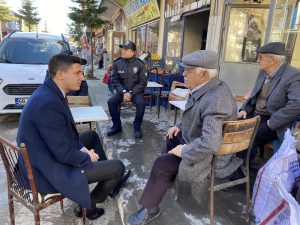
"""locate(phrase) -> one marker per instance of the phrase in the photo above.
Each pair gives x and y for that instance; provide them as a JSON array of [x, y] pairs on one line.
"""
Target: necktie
[[66, 101]]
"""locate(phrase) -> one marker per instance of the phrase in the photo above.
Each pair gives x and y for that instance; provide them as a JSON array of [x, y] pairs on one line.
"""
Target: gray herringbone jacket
[[201, 128]]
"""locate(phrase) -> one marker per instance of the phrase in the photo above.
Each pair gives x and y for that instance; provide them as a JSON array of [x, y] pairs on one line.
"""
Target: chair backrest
[[77, 101], [238, 135], [17, 183], [176, 86]]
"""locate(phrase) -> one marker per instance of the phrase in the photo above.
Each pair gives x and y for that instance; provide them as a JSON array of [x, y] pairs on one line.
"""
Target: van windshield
[[30, 51]]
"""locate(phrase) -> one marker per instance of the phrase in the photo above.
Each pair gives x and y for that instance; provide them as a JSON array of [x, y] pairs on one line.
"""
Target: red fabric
[[106, 78]]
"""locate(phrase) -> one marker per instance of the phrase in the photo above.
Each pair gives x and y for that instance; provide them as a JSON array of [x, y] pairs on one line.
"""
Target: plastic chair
[[17, 186]]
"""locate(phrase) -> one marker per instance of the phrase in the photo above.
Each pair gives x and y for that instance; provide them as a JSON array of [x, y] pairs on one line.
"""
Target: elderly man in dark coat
[[191, 144], [275, 96]]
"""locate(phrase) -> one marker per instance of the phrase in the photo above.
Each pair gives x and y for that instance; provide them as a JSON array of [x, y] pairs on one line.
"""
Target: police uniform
[[128, 75]]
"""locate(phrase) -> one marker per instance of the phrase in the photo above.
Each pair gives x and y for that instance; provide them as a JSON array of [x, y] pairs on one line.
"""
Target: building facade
[[232, 28]]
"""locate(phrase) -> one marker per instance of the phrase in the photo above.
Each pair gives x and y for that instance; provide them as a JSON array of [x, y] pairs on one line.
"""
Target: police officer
[[129, 77]]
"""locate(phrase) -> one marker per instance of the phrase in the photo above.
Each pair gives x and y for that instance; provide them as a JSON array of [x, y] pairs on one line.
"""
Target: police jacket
[[129, 75]]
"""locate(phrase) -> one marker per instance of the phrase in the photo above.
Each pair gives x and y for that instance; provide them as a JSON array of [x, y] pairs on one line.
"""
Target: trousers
[[106, 173], [163, 174], [114, 104]]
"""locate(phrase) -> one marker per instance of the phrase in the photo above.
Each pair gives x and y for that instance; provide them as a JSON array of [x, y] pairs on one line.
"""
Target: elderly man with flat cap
[[191, 144], [275, 96]]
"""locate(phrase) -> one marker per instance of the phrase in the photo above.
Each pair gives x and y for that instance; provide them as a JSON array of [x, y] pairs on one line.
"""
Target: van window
[[30, 51]]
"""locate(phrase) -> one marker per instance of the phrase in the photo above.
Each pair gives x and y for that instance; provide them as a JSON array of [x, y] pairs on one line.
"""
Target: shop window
[[295, 25], [118, 24], [285, 27], [152, 37], [174, 39], [141, 39], [246, 33]]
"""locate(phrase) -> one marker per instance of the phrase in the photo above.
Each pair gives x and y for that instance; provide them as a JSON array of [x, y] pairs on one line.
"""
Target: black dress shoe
[[143, 216], [77, 211], [138, 134], [121, 182], [114, 131], [238, 174], [95, 213], [91, 214]]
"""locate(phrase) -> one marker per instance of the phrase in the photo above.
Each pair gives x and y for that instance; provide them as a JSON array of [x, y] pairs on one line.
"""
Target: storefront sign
[[140, 11]]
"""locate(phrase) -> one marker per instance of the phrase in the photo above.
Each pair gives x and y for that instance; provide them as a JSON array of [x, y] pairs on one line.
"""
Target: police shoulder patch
[[135, 69]]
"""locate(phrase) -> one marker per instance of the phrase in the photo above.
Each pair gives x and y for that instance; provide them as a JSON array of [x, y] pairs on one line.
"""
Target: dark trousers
[[91, 140], [263, 136], [114, 104], [105, 172], [163, 174]]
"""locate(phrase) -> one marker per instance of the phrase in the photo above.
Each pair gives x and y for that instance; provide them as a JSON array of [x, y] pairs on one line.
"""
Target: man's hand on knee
[[127, 97], [177, 150], [242, 114], [94, 156], [173, 131]]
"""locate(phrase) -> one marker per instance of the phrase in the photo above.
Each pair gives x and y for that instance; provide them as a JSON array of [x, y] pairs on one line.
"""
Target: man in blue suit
[[61, 162]]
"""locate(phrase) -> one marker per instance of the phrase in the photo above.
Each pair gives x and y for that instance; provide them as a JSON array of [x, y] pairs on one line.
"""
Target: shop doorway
[[195, 31], [115, 38]]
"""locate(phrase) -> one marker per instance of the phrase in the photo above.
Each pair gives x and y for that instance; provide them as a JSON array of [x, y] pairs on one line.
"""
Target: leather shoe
[[138, 134], [91, 214], [114, 131], [236, 175], [143, 216], [121, 182]]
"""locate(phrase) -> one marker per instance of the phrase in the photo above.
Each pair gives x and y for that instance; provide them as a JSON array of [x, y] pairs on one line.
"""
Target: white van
[[24, 58]]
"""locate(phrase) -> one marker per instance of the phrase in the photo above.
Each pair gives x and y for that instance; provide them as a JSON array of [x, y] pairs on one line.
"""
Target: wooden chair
[[18, 188], [237, 136], [173, 97], [77, 101]]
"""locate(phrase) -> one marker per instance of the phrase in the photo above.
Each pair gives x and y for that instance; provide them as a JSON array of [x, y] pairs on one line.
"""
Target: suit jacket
[[283, 100], [48, 129], [201, 128]]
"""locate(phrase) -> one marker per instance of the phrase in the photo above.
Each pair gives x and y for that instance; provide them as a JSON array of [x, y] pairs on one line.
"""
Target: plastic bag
[[106, 78], [271, 198]]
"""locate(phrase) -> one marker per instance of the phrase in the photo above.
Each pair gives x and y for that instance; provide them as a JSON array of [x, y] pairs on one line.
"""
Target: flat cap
[[276, 48], [129, 45], [201, 58]]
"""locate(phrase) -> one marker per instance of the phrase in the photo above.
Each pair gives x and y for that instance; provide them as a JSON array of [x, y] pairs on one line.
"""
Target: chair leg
[[176, 186], [62, 205], [36, 218], [11, 209], [247, 195], [175, 116], [212, 184], [83, 216]]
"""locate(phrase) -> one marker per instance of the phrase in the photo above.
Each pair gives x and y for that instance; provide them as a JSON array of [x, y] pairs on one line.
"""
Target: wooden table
[[152, 84], [178, 105], [89, 114]]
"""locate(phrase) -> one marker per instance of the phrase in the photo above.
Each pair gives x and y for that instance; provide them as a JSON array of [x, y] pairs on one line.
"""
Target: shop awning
[[112, 7]]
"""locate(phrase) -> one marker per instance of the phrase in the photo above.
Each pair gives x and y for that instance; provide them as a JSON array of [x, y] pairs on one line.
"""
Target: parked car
[[23, 64]]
